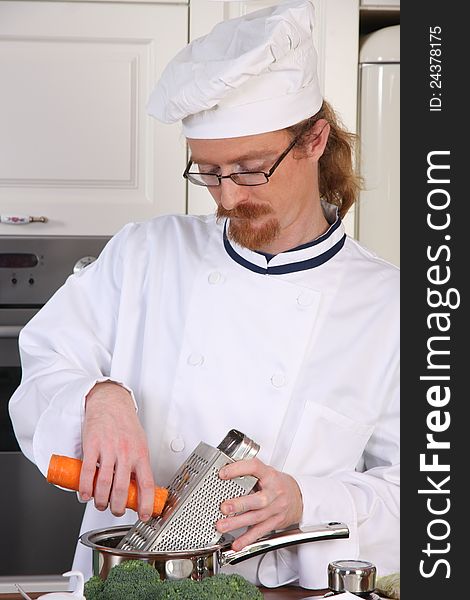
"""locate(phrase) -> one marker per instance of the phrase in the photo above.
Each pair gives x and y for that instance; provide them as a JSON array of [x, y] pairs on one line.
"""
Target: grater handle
[[282, 539]]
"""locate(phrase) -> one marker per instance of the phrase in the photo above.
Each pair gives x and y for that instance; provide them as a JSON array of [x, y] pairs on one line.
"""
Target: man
[[267, 319]]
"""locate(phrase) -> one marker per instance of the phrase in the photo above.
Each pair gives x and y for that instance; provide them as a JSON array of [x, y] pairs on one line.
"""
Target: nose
[[231, 194]]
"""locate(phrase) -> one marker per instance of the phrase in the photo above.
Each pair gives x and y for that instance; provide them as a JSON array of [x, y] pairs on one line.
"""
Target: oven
[[40, 523]]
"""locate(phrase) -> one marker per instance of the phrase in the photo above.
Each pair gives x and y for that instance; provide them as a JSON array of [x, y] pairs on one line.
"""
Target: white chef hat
[[249, 75]]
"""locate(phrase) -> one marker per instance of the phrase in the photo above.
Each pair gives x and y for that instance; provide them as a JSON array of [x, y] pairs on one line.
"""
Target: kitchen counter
[[285, 593]]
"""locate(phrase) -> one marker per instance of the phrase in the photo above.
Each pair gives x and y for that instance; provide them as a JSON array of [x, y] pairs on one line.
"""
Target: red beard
[[243, 228]]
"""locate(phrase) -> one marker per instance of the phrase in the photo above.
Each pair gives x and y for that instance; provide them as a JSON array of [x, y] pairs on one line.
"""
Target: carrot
[[65, 471]]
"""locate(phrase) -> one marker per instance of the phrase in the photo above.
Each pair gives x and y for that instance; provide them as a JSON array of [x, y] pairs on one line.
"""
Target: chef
[[265, 317]]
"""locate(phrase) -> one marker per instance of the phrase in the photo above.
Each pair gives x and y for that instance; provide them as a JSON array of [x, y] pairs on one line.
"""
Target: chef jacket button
[[177, 445], [215, 277], [278, 380], [195, 359], [305, 299]]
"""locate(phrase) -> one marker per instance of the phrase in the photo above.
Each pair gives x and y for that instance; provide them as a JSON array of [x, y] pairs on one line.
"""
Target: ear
[[318, 139]]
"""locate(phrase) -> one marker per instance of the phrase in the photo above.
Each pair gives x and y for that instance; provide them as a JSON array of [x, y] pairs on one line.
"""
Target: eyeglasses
[[240, 178]]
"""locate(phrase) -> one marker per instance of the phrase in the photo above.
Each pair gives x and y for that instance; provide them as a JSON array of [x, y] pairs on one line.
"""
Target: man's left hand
[[276, 504]]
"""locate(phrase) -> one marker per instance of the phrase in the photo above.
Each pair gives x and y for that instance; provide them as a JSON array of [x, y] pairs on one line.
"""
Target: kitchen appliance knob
[[354, 576], [83, 262]]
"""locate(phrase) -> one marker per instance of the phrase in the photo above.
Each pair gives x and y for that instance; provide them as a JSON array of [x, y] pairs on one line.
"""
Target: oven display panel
[[18, 260]]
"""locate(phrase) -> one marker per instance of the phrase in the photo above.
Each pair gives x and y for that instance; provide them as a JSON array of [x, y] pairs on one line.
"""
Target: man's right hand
[[113, 437]]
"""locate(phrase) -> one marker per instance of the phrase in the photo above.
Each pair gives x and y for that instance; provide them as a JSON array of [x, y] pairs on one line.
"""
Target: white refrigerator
[[378, 210]]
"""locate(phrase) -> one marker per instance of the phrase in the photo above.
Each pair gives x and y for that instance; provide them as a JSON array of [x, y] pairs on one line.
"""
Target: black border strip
[[434, 125]]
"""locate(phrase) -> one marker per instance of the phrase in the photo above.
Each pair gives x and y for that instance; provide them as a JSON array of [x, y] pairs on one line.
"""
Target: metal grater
[[195, 494]]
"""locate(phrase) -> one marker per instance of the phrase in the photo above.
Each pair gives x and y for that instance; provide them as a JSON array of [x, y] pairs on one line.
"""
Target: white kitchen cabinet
[[76, 144]]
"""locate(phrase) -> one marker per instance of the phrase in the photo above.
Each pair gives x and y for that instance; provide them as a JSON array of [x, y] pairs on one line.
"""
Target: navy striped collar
[[307, 256]]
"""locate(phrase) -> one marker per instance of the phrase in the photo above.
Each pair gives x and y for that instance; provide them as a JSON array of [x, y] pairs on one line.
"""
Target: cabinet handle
[[21, 219]]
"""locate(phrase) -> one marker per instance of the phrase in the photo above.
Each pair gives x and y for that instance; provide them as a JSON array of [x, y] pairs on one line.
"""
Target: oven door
[[40, 523], [11, 322]]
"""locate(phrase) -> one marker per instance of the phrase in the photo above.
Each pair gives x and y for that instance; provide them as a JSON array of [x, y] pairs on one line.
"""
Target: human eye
[[251, 167], [207, 169]]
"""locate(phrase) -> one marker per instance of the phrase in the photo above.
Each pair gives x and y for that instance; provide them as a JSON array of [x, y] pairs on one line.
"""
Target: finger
[[254, 533], [242, 504], [104, 481], [240, 468], [146, 489], [248, 519], [120, 490], [87, 474]]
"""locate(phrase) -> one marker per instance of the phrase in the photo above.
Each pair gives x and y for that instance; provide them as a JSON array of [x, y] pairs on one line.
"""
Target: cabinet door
[[76, 144], [336, 38]]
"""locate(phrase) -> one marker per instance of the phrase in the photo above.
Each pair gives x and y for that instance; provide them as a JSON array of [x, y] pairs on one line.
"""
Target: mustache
[[245, 211]]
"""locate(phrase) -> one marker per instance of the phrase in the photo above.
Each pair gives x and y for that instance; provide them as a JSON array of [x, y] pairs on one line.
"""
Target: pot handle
[[284, 538]]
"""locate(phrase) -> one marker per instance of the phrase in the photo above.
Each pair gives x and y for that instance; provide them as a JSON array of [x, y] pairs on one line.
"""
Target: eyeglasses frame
[[231, 175]]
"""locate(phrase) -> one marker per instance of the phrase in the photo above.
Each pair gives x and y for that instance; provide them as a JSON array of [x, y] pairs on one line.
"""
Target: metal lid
[[238, 446], [355, 576]]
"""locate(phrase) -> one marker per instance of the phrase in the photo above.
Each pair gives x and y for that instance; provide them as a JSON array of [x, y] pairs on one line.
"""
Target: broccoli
[[127, 591], [133, 572], [230, 587], [218, 587], [137, 580], [182, 589], [93, 588], [134, 579]]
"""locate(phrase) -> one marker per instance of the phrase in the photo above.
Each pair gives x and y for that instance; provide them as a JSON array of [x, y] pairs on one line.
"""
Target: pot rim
[[93, 538]]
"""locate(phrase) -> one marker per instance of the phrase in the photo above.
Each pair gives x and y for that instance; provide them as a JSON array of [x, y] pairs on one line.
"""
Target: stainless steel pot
[[202, 562]]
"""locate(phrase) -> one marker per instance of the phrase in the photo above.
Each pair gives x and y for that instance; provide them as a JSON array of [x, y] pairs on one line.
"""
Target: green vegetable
[[93, 588], [133, 573], [131, 579], [230, 587], [137, 580], [389, 586], [218, 587], [183, 589], [124, 591]]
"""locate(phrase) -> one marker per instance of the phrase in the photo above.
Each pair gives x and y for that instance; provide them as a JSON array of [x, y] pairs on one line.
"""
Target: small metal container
[[354, 576]]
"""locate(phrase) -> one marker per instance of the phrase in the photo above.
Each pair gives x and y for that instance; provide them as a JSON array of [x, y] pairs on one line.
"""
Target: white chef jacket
[[300, 352]]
